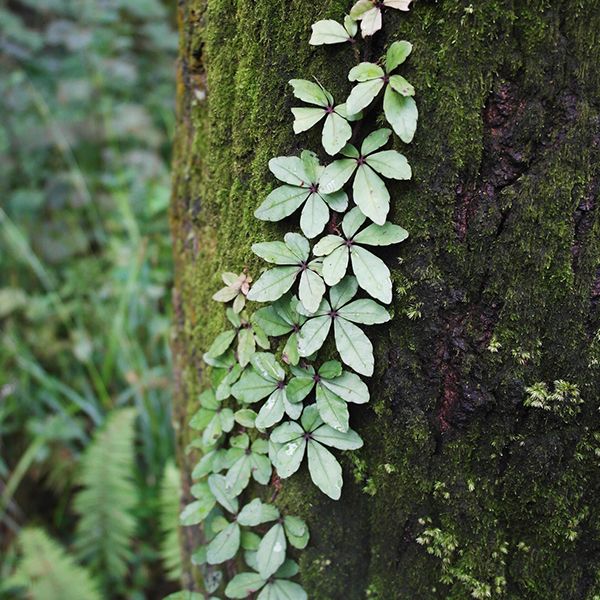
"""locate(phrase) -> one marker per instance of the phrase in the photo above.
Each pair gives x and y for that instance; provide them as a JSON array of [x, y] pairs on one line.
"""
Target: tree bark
[[461, 489]]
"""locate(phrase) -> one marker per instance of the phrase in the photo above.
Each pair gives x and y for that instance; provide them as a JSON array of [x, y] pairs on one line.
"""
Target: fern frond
[[47, 572], [170, 508], [105, 504]]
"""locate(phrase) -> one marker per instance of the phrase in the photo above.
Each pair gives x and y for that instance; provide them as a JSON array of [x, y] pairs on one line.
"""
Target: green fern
[[47, 572], [169, 521], [105, 504]]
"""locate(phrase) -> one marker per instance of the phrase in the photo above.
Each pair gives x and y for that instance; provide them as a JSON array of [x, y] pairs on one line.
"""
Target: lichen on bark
[[496, 289]]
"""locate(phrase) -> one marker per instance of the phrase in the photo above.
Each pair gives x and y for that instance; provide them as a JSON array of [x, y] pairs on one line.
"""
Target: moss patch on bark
[[460, 490]]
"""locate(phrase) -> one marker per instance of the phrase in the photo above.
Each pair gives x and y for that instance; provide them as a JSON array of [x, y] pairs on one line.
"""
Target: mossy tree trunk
[[461, 489]]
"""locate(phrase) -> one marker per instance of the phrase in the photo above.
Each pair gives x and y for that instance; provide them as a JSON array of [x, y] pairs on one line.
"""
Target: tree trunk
[[463, 489]]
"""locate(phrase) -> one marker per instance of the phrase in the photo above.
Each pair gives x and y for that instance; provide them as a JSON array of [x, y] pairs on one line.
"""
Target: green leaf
[[350, 25], [245, 417], [342, 440], [311, 290], [328, 31], [400, 85], [371, 195], [363, 94], [201, 419], [256, 512], [372, 274], [281, 203], [401, 113], [250, 541], [261, 468], [233, 318], [286, 432], [218, 487], [365, 311], [342, 110], [267, 366], [281, 589], [240, 441], [336, 175], [289, 169], [197, 511], [349, 387], [299, 387], [310, 418], [381, 235], [296, 532], [261, 339], [244, 584], [275, 252], [312, 166], [226, 294], [251, 387], [221, 343], [273, 284], [271, 411], [227, 420], [336, 132], [354, 347], [330, 369], [271, 552], [289, 457], [390, 164], [335, 266], [375, 140], [360, 8], [314, 217], [290, 350], [309, 92], [204, 466], [260, 446], [212, 432], [327, 245], [238, 476], [271, 322], [371, 21], [287, 309], [343, 292], [185, 595], [337, 201], [289, 568], [324, 469], [396, 54], [246, 346], [224, 546], [350, 151], [305, 118], [298, 244], [312, 335], [333, 410], [365, 71], [352, 222]]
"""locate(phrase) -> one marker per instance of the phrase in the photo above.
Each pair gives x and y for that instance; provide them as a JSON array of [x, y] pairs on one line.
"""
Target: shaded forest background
[[86, 117]]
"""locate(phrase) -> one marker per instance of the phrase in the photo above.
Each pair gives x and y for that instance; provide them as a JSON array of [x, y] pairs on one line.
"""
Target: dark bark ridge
[[497, 289]]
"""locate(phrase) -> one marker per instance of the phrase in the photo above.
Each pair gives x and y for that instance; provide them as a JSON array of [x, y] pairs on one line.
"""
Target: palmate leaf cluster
[[274, 403]]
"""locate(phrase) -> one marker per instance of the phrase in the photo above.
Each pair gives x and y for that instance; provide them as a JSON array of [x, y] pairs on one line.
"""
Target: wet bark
[[461, 490]]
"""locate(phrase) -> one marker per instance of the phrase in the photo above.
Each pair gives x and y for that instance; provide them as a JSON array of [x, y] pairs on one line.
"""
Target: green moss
[[513, 489]]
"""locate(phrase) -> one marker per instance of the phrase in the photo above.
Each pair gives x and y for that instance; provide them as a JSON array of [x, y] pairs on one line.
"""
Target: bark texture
[[461, 491]]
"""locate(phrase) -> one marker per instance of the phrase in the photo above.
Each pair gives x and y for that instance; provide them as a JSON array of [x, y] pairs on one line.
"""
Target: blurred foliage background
[[88, 490]]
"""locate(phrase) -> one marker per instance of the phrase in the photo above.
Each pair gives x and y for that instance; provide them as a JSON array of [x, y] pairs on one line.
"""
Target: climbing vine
[[272, 399]]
